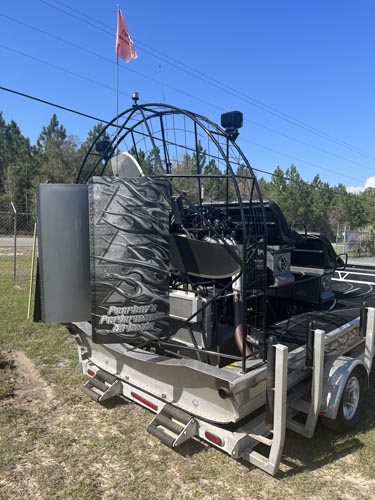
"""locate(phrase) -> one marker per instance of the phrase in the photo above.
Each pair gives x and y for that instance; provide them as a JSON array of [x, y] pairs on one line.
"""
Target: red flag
[[124, 44]]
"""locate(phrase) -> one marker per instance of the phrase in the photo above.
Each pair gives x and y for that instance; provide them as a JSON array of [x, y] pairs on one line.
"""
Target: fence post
[[15, 241]]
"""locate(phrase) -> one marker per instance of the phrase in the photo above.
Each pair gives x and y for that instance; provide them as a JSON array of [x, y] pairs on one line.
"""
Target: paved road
[[361, 261], [22, 242]]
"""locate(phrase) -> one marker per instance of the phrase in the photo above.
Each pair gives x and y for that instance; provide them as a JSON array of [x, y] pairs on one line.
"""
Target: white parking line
[[352, 290]]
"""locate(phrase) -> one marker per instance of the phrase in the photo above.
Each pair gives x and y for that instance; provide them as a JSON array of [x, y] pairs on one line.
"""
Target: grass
[[23, 263], [55, 443]]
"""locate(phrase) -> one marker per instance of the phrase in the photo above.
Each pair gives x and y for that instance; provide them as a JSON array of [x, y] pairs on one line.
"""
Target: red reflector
[[214, 438], [91, 372], [145, 401], [322, 413]]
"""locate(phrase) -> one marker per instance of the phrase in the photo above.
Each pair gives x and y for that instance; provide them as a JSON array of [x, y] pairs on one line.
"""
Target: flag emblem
[[124, 44]]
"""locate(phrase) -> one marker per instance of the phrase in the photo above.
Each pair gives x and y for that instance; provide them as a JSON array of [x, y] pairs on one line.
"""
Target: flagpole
[[117, 87], [117, 70], [117, 84]]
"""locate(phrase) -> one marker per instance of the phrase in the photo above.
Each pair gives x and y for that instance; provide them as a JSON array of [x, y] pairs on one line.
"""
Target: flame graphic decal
[[129, 258]]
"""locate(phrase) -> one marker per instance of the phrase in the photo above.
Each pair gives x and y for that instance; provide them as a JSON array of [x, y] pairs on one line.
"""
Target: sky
[[302, 73]]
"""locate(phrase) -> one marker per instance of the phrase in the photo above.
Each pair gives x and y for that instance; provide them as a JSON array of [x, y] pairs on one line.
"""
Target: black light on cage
[[103, 148], [231, 122]]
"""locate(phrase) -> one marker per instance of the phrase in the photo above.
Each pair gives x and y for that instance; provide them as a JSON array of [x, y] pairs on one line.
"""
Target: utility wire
[[299, 159], [177, 90], [49, 103], [190, 95], [51, 35], [299, 182], [107, 86], [59, 68], [185, 93], [79, 47], [71, 110], [207, 79]]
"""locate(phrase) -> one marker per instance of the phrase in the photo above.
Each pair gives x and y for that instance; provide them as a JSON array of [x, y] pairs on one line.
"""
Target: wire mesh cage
[[213, 194]]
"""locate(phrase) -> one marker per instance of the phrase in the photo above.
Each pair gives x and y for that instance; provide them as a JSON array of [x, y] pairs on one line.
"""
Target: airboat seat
[[315, 250], [201, 258], [278, 230]]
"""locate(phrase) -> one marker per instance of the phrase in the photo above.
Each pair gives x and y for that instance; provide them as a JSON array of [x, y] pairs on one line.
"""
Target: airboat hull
[[186, 383], [219, 395]]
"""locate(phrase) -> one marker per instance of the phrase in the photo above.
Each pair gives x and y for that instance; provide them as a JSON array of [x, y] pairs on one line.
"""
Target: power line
[[300, 160], [334, 155], [71, 110], [199, 75], [51, 65], [107, 86], [300, 182], [49, 103], [51, 35], [242, 139], [179, 91], [189, 95], [82, 20]]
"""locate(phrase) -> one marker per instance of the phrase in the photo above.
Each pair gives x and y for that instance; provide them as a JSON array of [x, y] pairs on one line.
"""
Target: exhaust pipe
[[239, 333]]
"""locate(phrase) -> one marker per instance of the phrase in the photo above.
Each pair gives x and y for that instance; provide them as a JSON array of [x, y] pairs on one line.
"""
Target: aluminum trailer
[[236, 411]]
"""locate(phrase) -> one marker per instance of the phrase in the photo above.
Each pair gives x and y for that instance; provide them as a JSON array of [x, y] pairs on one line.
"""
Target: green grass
[[23, 263], [55, 443]]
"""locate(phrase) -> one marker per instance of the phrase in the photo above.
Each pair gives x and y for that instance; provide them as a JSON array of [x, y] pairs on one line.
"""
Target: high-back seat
[[314, 251], [278, 230]]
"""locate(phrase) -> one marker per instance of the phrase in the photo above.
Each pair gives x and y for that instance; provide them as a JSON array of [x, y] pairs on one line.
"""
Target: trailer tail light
[[214, 438], [91, 372], [143, 400]]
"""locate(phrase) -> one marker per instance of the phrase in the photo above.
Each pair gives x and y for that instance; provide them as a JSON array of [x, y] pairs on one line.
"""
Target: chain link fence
[[17, 231], [16, 245], [359, 245]]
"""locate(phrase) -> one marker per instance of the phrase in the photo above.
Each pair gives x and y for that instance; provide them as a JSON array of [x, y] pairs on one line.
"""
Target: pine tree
[[16, 167], [57, 154]]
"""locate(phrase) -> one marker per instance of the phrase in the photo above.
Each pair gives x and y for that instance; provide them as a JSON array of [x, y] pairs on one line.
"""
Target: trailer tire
[[351, 404]]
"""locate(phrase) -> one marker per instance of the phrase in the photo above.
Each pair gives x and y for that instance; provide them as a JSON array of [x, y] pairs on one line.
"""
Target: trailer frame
[[296, 389]]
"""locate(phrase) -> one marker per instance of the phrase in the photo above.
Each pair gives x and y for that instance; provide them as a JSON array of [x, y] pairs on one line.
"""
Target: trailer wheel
[[351, 404]]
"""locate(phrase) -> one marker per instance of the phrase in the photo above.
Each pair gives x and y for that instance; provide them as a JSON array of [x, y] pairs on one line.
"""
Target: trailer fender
[[335, 375]]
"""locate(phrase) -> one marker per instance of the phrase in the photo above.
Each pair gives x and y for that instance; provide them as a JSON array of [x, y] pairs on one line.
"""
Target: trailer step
[[102, 386], [300, 405], [172, 426]]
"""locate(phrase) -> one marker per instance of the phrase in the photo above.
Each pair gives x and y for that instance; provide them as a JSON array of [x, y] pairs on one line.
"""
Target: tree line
[[319, 206], [57, 156]]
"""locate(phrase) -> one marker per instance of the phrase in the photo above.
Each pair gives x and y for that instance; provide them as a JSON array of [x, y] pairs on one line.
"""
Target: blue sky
[[301, 72]]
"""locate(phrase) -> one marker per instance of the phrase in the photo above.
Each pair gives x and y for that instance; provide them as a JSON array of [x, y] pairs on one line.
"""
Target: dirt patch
[[28, 387], [351, 484]]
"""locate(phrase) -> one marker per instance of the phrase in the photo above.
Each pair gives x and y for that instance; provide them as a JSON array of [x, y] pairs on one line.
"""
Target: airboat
[[190, 295]]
